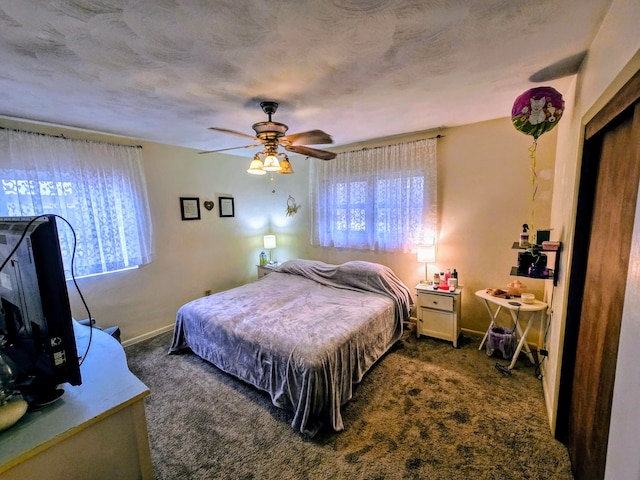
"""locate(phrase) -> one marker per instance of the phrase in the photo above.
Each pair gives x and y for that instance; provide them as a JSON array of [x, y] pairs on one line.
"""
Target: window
[[99, 188], [377, 199]]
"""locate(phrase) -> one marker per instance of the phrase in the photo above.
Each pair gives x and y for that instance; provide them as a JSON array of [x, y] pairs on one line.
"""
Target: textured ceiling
[[165, 70]]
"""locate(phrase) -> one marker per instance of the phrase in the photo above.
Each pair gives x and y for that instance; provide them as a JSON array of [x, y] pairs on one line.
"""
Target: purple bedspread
[[305, 333]]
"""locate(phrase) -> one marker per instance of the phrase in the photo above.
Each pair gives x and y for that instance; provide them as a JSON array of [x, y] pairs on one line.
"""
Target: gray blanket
[[305, 333]]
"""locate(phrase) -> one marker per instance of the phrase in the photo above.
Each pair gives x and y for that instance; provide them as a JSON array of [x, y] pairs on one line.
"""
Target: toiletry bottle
[[447, 275], [524, 236], [436, 280], [454, 280]]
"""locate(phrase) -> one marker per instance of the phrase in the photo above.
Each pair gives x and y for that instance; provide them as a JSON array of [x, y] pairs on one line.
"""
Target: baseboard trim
[[474, 333], [147, 335]]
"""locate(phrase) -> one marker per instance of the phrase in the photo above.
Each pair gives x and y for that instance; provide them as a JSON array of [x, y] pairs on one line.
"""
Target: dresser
[[438, 313], [95, 430]]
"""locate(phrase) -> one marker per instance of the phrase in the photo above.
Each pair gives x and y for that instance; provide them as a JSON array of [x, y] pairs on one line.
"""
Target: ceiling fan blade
[[310, 152], [230, 148], [312, 137], [233, 132]]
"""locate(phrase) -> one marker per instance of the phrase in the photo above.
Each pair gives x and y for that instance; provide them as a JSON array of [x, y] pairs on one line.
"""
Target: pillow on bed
[[378, 278], [352, 274], [355, 275], [300, 266], [361, 270]]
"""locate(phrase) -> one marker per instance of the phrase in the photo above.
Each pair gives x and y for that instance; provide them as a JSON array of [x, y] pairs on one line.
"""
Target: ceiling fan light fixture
[[285, 165], [256, 167], [271, 163], [273, 135], [273, 129]]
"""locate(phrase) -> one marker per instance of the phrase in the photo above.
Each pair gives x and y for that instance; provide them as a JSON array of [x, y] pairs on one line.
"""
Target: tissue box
[[553, 246]]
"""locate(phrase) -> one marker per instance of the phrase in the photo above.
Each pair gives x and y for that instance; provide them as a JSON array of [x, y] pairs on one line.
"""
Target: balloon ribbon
[[534, 177]]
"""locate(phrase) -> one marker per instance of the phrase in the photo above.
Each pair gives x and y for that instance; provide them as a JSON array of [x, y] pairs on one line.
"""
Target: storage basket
[[503, 340]]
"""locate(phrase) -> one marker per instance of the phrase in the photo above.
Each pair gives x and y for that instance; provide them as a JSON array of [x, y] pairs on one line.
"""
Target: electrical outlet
[[544, 353], [207, 293]]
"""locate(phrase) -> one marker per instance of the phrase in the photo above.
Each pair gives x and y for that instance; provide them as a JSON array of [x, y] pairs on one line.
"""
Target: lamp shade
[[256, 167], [426, 253], [269, 241], [271, 163], [286, 166]]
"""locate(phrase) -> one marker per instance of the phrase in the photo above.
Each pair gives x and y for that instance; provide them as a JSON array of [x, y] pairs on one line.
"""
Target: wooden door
[[611, 171]]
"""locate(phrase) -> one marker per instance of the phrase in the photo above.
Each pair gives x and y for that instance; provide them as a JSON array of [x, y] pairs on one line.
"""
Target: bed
[[305, 333]]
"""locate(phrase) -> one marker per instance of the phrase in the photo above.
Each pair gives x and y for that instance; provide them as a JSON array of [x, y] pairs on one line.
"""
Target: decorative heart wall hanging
[[208, 204]]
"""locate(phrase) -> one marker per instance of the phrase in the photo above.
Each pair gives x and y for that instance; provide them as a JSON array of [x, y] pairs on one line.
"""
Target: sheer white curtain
[[382, 198], [99, 188]]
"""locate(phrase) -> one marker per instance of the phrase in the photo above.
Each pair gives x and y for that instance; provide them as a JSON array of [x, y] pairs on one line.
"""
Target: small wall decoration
[[190, 208], [225, 206], [208, 204], [292, 206]]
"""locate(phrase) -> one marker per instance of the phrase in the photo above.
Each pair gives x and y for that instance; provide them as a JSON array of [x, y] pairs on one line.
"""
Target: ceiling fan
[[272, 134]]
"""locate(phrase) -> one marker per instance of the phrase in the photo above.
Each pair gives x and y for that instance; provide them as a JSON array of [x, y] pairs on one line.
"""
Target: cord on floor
[[503, 369]]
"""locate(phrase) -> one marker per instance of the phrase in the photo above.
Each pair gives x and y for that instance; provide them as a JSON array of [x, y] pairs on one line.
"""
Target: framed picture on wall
[[190, 208], [225, 204]]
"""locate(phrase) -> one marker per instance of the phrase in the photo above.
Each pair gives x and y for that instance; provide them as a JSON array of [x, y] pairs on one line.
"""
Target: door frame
[[623, 99]]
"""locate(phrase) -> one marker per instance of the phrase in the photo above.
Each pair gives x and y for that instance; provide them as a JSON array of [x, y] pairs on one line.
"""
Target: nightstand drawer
[[433, 300]]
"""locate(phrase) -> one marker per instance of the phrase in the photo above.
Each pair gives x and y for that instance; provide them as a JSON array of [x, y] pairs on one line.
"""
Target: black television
[[36, 327]]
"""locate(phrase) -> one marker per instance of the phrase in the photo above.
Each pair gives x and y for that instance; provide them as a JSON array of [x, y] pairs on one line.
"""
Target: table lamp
[[427, 255], [269, 244]]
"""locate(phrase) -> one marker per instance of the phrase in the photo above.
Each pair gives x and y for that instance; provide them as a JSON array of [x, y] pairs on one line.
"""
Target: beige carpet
[[425, 411]]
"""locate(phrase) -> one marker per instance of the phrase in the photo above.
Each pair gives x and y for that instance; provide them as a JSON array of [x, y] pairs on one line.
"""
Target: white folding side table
[[534, 309]]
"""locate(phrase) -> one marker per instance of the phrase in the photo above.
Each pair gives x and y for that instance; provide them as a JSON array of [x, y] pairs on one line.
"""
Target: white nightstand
[[266, 269], [438, 313]]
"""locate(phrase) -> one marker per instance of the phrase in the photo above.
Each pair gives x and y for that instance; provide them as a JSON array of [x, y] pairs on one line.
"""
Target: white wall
[[622, 459], [613, 58]]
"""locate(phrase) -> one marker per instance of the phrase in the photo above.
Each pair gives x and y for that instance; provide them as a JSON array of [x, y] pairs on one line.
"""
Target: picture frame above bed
[[190, 208], [226, 206]]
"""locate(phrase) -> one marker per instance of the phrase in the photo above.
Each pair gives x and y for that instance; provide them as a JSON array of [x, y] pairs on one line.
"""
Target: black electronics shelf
[[552, 272]]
